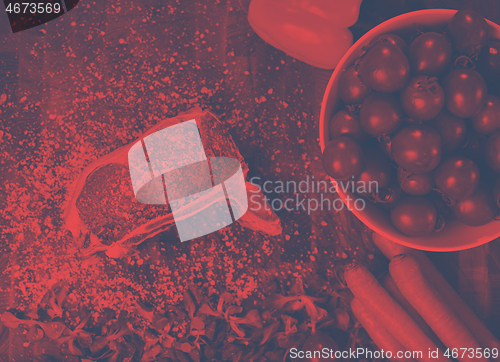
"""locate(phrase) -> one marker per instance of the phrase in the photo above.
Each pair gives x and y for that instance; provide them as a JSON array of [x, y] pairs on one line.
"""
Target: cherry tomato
[[417, 148], [317, 342], [492, 152], [422, 98], [343, 123], [457, 177], [389, 38], [430, 54], [468, 31], [351, 87], [416, 184], [489, 60], [343, 158], [452, 130], [496, 192], [384, 68], [414, 216], [376, 175], [488, 120], [477, 209], [465, 91], [380, 114]]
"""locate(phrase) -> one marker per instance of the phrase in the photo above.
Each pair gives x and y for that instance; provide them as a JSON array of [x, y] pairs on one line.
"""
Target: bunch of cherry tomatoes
[[422, 123]]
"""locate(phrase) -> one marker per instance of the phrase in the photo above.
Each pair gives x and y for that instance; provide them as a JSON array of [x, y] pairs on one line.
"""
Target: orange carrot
[[482, 334], [368, 291], [427, 301], [382, 338], [388, 283], [389, 248]]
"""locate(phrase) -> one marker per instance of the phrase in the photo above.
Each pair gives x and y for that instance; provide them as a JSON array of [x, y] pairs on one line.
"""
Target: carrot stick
[[425, 298], [389, 248], [388, 283], [368, 291], [382, 338], [482, 334]]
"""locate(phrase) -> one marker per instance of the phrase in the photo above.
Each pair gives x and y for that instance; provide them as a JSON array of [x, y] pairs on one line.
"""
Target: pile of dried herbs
[[262, 327]]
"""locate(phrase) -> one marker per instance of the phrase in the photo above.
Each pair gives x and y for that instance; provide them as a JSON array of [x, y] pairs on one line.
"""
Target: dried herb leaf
[[270, 331], [252, 318], [150, 354], [195, 355], [342, 319], [197, 323], [53, 330], [197, 294], [189, 304], [186, 347], [205, 309]]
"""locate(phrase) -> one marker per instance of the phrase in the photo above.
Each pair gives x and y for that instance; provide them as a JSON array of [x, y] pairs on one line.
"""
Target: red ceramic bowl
[[455, 235]]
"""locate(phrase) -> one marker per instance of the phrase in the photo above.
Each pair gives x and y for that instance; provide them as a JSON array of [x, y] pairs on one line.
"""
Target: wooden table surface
[[83, 85]]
